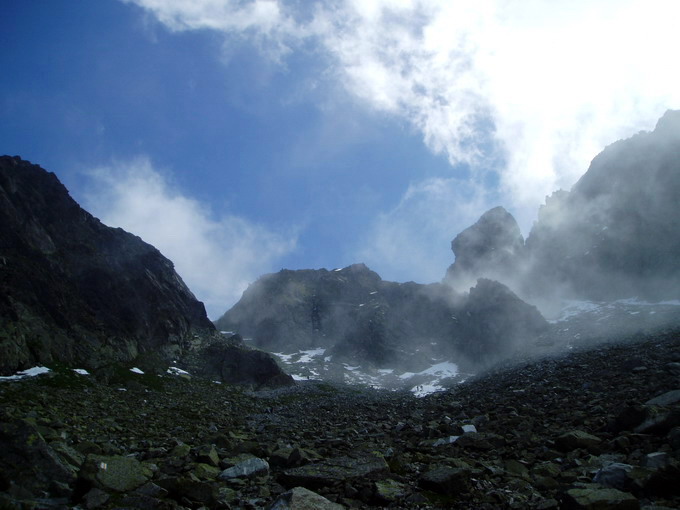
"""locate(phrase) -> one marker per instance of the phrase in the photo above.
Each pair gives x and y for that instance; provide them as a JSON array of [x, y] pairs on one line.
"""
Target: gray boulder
[[300, 498]]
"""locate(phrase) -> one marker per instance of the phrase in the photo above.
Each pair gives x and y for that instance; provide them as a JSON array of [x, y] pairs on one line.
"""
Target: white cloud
[[217, 258], [545, 84], [417, 233]]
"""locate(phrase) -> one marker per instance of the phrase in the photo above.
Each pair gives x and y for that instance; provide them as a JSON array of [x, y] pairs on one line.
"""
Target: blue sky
[[244, 137]]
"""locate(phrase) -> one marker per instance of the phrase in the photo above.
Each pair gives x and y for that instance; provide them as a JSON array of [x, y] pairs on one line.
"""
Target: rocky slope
[[73, 290], [598, 428], [359, 318], [615, 235]]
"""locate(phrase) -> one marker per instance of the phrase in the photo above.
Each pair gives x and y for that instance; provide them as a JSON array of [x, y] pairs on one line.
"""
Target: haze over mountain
[[614, 236], [242, 137]]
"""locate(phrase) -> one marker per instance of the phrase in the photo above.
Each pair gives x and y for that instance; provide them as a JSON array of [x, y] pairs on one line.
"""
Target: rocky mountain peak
[[73, 290], [492, 243], [669, 124], [613, 235]]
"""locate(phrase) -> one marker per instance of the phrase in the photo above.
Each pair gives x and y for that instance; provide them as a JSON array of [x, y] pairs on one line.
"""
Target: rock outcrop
[[73, 290], [616, 234], [359, 318], [487, 249]]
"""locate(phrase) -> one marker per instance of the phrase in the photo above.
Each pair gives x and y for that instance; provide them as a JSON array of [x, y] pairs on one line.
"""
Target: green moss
[[64, 377], [122, 376]]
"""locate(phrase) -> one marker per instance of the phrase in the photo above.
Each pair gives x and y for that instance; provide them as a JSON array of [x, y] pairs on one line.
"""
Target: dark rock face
[[76, 291], [615, 234], [358, 317], [104, 293], [482, 250], [231, 361], [495, 322]]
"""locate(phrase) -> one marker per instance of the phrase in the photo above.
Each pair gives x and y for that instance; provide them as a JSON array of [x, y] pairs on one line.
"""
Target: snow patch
[[423, 390], [81, 371], [136, 370], [307, 356], [29, 372], [177, 371]]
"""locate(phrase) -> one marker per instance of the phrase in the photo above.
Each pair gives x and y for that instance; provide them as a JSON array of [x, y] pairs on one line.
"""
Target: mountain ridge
[[73, 290]]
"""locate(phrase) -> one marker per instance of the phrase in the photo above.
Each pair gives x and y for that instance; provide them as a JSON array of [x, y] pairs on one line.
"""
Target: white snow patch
[[327, 359], [81, 371], [469, 428], [308, 355], [350, 368], [385, 371], [423, 390], [136, 370], [29, 372], [445, 369], [573, 307], [298, 377], [284, 357], [177, 371], [338, 269], [374, 292]]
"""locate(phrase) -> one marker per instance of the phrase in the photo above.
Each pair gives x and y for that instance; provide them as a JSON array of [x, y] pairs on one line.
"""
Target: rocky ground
[[596, 428]]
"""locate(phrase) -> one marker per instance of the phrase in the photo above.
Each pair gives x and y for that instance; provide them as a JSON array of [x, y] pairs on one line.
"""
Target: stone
[[659, 420], [614, 475], [445, 440], [665, 399], [95, 498], [330, 471], [250, 468], [207, 454], [301, 456], [390, 491], [205, 471], [655, 460], [468, 428], [116, 473], [300, 498], [601, 499], [28, 460], [279, 457], [516, 468], [577, 439], [182, 488], [446, 480]]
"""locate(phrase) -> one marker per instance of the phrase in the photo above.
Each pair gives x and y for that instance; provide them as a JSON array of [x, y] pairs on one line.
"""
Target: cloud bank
[[217, 258], [522, 93]]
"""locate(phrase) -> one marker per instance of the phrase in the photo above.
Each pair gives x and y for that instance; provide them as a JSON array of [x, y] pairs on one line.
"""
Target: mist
[[504, 91], [216, 256]]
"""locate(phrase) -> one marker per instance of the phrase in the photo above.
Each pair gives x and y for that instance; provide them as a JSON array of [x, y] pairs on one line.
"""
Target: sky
[[241, 137]]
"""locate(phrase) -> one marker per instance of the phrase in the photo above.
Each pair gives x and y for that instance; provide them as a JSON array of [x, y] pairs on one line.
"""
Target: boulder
[[249, 468], [339, 469], [577, 439], [446, 480], [592, 498], [300, 498], [114, 473]]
